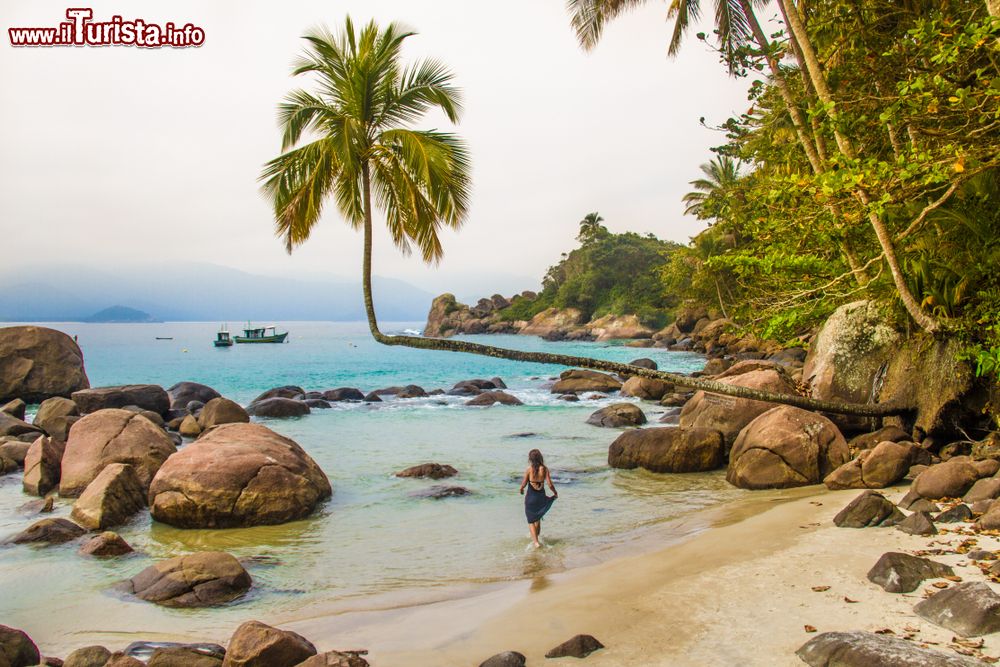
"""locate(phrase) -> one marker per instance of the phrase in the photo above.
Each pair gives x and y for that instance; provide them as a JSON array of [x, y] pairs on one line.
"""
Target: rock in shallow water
[[902, 573], [183, 393], [579, 646], [491, 397], [203, 579], [16, 648], [107, 544], [255, 644], [431, 470], [111, 499], [278, 408], [618, 415], [866, 649], [437, 492], [970, 609], [667, 449], [50, 531], [43, 466], [237, 475]]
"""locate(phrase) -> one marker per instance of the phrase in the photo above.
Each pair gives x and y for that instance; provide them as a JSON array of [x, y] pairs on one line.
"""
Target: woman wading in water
[[536, 503]]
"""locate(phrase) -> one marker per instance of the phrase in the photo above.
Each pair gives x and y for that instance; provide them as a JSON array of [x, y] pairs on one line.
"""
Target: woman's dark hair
[[535, 457]]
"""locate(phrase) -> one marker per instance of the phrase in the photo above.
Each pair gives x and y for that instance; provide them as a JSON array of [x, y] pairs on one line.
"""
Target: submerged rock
[[785, 447], [112, 436], [203, 579], [431, 470], [867, 649], [868, 510], [50, 531], [287, 391], [618, 415], [970, 609], [579, 646], [237, 475], [255, 644], [667, 449], [902, 573], [108, 543], [441, 491]]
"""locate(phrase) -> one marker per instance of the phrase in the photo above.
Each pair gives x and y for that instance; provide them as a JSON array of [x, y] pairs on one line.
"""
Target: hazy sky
[[124, 155]]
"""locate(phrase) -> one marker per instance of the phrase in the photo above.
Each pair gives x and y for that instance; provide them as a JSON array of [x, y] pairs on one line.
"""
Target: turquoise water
[[374, 539]]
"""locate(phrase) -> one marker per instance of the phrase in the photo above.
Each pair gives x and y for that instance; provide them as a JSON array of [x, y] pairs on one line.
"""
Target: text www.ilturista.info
[[80, 30]]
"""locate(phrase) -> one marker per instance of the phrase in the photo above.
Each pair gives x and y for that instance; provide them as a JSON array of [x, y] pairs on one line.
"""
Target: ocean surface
[[375, 542]]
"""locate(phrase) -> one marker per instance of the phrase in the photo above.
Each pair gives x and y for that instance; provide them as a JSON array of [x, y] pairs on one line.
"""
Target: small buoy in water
[[184, 350]]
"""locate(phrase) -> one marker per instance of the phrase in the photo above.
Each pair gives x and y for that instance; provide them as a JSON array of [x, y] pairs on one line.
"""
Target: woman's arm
[[548, 477], [524, 482]]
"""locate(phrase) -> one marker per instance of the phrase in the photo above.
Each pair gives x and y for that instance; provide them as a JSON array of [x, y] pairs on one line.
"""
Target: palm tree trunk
[[818, 80], [711, 386]]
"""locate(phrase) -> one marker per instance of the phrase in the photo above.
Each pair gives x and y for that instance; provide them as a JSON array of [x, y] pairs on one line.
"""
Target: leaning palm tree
[[365, 154], [720, 173]]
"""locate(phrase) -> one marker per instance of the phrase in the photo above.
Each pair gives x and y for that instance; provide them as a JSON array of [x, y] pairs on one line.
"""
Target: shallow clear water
[[374, 538]]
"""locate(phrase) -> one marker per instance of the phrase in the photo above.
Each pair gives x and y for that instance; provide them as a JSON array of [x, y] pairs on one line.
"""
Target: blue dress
[[536, 503]]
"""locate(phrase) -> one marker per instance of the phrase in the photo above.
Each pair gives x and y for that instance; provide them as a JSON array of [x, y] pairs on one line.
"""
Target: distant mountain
[[197, 292], [121, 314]]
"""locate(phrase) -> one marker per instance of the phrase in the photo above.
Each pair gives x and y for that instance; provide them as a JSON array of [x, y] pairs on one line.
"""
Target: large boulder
[[668, 449], [875, 468], [278, 408], [237, 475], [728, 414], [970, 609], [551, 321], [221, 410], [849, 352], [902, 573], [612, 327], [786, 447], [17, 649], [343, 394], [15, 408], [867, 649], [868, 510], [112, 436], [111, 499], [203, 579], [183, 393], [285, 391], [88, 656], [37, 363], [55, 416], [618, 415], [445, 317], [14, 427], [43, 465], [951, 479], [48, 531], [490, 397], [150, 397], [648, 389], [255, 644], [578, 380]]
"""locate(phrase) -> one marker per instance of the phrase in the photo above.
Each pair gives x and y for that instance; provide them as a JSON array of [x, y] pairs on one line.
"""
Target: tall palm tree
[[591, 227], [720, 173], [365, 151]]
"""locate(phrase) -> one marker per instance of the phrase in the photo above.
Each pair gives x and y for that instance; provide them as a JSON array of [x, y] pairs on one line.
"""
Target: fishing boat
[[223, 339], [268, 334], [164, 338]]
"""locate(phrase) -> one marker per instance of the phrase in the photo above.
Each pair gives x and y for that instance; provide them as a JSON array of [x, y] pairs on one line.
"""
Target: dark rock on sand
[[88, 656], [50, 531], [956, 514], [203, 579], [884, 434], [868, 510], [951, 479], [902, 573], [505, 659], [867, 649], [876, 468], [785, 447], [983, 489], [183, 393], [343, 394], [918, 523], [970, 609], [150, 397], [108, 543], [578, 380], [431, 470], [237, 475], [666, 449], [17, 649], [990, 520], [491, 397], [579, 646], [219, 411], [913, 502], [37, 363], [618, 415], [43, 466], [287, 391], [255, 644], [112, 436], [111, 499], [441, 491], [278, 408]]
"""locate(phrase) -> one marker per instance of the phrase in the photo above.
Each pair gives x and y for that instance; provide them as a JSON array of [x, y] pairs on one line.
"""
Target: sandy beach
[[736, 594]]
